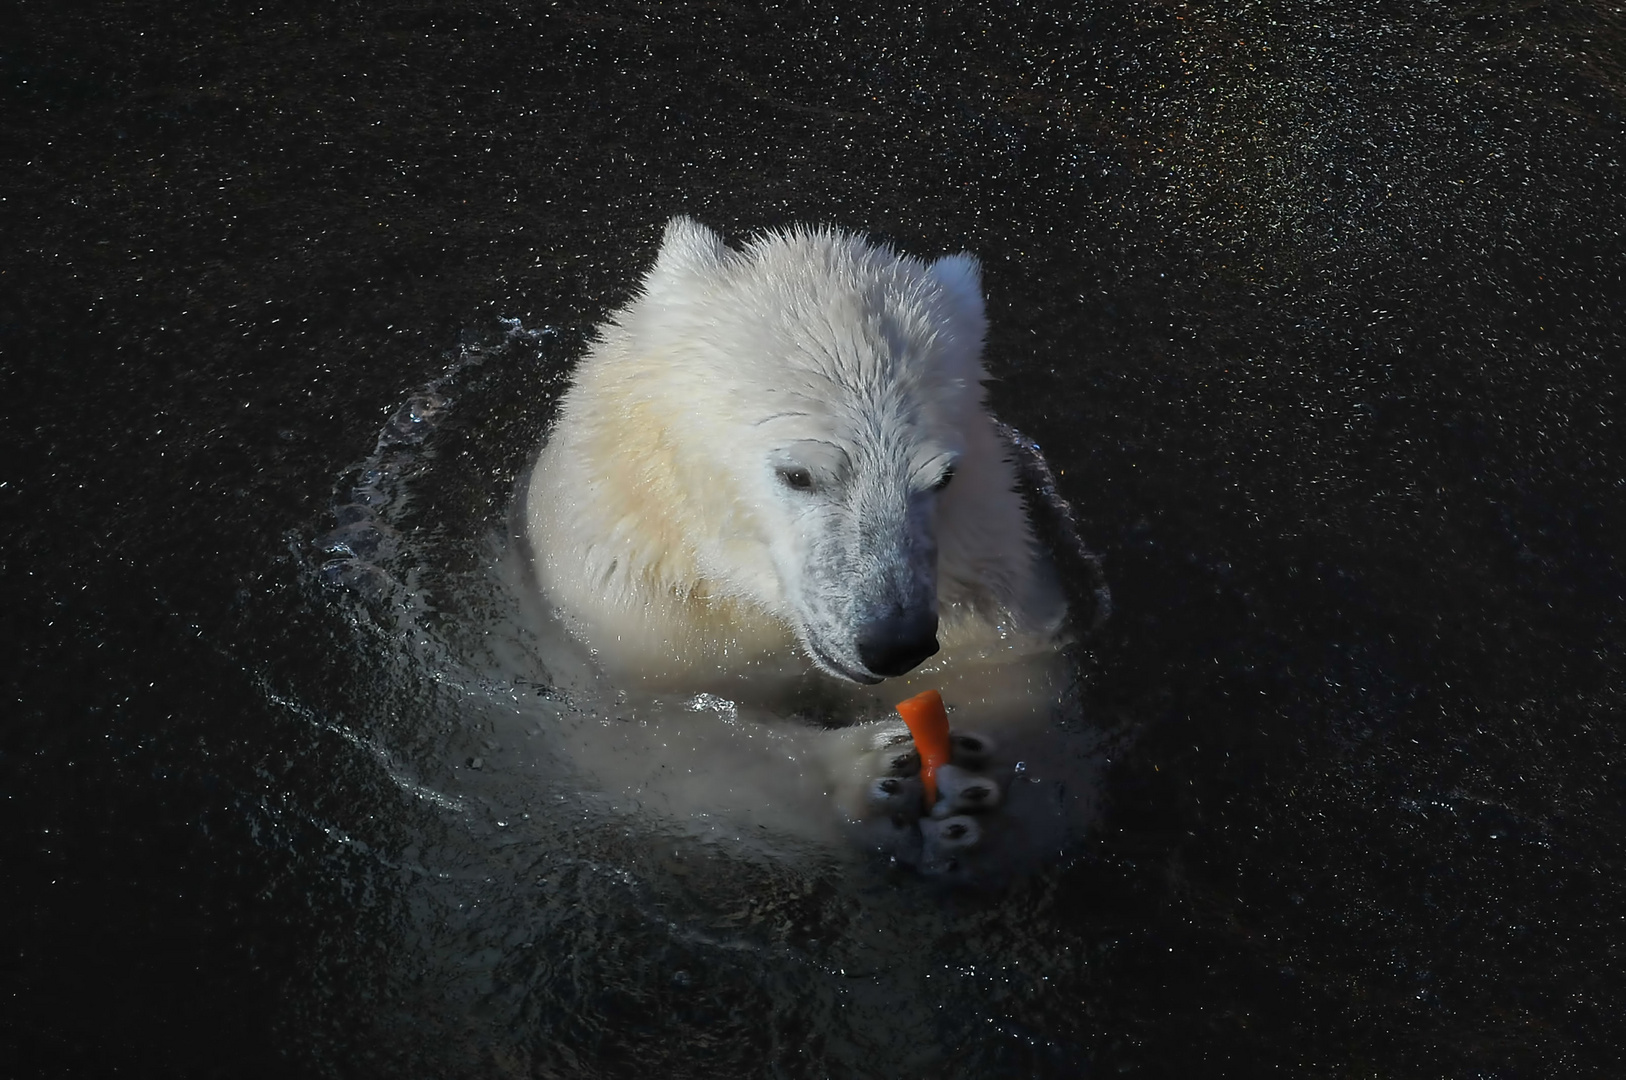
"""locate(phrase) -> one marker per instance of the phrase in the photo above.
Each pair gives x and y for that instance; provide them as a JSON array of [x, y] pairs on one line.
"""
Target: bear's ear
[[688, 249], [961, 280]]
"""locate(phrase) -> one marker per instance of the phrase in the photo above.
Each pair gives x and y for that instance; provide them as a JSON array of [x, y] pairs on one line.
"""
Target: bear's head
[[799, 427]]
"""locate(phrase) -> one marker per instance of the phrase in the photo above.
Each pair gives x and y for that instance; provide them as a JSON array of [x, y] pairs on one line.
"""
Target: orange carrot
[[928, 723]]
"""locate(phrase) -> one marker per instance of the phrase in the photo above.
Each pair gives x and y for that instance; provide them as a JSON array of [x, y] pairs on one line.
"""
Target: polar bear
[[777, 461]]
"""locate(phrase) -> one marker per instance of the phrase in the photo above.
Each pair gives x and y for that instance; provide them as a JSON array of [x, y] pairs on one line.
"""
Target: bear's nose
[[893, 645]]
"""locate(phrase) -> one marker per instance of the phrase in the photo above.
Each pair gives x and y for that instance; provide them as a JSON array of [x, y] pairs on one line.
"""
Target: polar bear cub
[[781, 454]]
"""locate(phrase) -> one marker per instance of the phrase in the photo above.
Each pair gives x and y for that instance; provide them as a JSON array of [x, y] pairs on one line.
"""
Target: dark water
[[1318, 310]]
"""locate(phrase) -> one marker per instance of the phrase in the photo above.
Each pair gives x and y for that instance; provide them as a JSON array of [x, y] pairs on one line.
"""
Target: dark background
[[1319, 309]]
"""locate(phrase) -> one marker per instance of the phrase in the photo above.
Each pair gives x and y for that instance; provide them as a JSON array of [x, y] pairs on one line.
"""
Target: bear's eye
[[796, 479], [943, 481]]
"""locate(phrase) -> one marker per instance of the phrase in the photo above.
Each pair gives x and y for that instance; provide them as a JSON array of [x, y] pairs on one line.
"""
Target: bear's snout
[[893, 645]]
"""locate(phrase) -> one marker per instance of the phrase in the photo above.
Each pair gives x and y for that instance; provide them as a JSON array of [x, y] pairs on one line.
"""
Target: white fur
[[661, 512]]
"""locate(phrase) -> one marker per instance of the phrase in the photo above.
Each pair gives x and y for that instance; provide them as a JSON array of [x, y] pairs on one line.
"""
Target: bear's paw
[[953, 838]]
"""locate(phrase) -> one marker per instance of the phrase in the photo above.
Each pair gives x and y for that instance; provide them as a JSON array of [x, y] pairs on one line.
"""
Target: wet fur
[[658, 520]]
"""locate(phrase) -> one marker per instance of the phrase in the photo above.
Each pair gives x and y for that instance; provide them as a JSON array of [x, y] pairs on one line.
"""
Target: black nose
[[893, 645]]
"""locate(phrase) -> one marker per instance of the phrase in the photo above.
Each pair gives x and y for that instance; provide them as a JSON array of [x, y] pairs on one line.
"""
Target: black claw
[[952, 834], [897, 798], [904, 764], [962, 790], [970, 750]]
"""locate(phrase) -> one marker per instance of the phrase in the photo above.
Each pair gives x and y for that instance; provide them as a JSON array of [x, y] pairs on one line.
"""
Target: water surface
[[1317, 313]]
